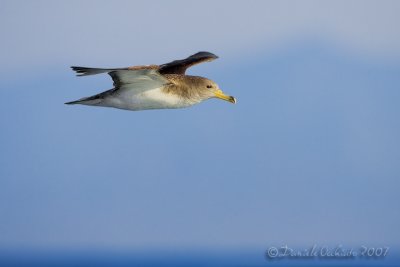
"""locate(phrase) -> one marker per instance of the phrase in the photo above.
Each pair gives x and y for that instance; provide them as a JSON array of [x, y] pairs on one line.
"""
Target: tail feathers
[[85, 101], [82, 101], [84, 71], [92, 100], [72, 102]]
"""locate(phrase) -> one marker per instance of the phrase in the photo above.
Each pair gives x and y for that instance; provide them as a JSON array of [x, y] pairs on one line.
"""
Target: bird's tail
[[92, 100], [85, 101], [72, 102], [79, 101]]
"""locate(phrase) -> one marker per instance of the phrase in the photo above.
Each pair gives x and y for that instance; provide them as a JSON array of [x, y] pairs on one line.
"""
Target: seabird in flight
[[154, 86]]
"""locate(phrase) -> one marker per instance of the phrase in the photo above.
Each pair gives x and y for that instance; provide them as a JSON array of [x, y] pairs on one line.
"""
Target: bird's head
[[211, 90]]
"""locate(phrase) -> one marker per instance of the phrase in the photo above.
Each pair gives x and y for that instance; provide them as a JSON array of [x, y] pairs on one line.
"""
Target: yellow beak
[[219, 94]]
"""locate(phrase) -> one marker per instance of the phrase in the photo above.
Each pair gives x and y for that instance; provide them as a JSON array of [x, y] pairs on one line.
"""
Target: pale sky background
[[309, 155]]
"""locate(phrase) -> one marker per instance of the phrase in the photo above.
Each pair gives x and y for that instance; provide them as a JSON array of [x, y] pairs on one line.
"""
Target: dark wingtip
[[77, 69], [81, 71], [205, 54]]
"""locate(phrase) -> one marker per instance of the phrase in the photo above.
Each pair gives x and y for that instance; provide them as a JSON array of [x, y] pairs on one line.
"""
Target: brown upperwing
[[174, 67], [180, 66]]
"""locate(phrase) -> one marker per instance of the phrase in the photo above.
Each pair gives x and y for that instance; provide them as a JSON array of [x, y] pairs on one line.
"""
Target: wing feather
[[85, 71], [122, 77], [134, 79], [138, 80], [180, 66]]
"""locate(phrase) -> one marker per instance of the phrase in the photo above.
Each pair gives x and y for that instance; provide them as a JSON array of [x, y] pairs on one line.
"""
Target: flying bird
[[163, 86]]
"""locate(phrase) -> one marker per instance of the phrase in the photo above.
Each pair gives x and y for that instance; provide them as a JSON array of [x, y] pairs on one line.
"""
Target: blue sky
[[309, 154]]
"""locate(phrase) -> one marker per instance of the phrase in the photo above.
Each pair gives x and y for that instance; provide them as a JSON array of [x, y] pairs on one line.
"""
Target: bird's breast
[[150, 99]]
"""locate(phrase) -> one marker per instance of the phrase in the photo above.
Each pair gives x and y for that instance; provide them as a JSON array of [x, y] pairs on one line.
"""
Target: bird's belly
[[150, 99]]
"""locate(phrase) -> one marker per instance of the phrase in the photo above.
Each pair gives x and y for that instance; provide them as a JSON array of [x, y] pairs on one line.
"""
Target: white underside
[[140, 90], [139, 100]]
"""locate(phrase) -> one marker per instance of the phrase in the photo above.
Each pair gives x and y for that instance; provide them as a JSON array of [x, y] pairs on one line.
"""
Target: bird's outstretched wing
[[85, 71], [142, 78], [139, 78], [174, 67], [123, 76], [180, 66], [147, 76]]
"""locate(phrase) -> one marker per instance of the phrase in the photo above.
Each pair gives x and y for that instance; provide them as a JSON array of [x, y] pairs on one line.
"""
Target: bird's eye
[[209, 86]]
